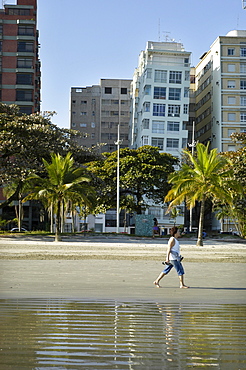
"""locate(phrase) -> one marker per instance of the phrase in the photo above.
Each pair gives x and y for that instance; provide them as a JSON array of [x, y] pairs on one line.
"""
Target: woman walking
[[173, 259]]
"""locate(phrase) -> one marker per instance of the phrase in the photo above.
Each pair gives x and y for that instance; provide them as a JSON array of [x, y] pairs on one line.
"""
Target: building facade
[[100, 112], [160, 107], [221, 91], [19, 56]]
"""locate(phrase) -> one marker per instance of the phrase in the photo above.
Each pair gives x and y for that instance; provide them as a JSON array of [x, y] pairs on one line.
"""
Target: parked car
[[16, 230]]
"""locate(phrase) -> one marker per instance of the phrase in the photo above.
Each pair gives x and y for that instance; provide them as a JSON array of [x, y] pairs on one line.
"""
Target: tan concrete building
[[98, 111], [221, 91]]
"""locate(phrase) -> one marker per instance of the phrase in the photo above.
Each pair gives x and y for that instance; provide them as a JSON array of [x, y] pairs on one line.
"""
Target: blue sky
[[83, 41]]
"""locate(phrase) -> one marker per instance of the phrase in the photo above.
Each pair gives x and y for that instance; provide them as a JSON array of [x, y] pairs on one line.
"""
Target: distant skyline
[[83, 41]]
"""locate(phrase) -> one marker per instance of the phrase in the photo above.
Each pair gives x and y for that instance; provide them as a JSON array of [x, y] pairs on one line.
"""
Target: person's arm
[[169, 247]]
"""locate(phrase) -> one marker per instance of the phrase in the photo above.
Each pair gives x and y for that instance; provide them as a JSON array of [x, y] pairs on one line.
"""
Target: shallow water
[[71, 334]]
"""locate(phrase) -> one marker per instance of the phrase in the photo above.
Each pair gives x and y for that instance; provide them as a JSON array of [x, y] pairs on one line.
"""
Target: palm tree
[[64, 182], [202, 179]]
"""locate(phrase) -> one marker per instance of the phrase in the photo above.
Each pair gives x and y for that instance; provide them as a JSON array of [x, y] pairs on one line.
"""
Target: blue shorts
[[177, 265]]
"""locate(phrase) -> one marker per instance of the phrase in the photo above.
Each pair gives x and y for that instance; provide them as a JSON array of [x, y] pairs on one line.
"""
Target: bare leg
[[156, 282], [182, 285]]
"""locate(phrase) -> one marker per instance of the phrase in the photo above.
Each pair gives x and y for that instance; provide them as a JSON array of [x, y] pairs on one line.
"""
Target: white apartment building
[[221, 91], [160, 105]]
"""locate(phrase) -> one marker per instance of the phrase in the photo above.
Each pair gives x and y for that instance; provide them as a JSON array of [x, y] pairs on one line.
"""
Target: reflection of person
[[173, 259], [156, 229]]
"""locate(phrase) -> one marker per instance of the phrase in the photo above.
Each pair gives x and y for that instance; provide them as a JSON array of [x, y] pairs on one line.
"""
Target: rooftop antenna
[[166, 35]]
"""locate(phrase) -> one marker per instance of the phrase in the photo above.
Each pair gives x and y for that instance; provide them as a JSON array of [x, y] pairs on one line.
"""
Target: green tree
[[237, 162], [64, 182], [143, 176], [26, 139], [202, 179]]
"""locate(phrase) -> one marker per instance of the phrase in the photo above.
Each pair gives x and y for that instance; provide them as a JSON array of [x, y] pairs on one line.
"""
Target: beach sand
[[120, 268]]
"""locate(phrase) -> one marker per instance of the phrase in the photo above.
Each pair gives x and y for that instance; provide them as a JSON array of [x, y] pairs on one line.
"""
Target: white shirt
[[175, 249]]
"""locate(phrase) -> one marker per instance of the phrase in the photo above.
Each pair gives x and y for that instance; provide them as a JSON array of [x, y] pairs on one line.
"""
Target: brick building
[[19, 56]]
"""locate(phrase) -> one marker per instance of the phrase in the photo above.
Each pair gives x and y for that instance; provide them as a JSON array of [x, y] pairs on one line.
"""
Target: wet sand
[[122, 270]]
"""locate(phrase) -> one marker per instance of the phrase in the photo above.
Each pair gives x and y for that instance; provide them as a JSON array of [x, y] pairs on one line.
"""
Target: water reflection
[[43, 334]]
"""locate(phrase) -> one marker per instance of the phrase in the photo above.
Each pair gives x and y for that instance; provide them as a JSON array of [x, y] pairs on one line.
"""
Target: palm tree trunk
[[58, 222], [201, 220]]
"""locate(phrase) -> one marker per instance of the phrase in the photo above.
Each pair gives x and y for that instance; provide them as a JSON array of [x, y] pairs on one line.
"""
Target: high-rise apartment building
[[160, 106], [160, 94], [19, 56], [99, 111], [221, 91]]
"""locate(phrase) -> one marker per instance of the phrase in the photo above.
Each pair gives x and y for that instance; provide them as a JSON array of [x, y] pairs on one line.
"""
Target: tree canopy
[[26, 139], [200, 179], [143, 176], [64, 183]]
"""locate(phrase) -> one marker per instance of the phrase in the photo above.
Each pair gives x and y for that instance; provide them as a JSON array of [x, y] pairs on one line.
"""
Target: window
[[186, 92], [231, 148], [78, 90], [230, 132], [231, 116], [24, 63], [1, 45], [172, 126], [187, 75], [24, 95], [73, 124], [83, 125], [23, 79], [172, 143], [242, 67], [26, 31], [243, 100], [160, 76], [83, 102], [145, 124], [243, 84], [146, 106], [20, 11], [230, 51], [25, 46], [25, 110], [231, 84], [158, 109], [108, 90], [173, 110], [231, 100], [83, 113], [174, 94], [243, 52], [186, 62], [145, 140], [231, 68], [185, 108], [123, 90], [157, 127], [148, 72], [159, 93], [147, 89], [175, 77], [156, 141], [93, 125], [243, 117]]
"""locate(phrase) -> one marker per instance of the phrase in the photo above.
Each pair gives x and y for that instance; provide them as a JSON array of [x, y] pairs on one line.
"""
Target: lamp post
[[192, 146], [118, 142]]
